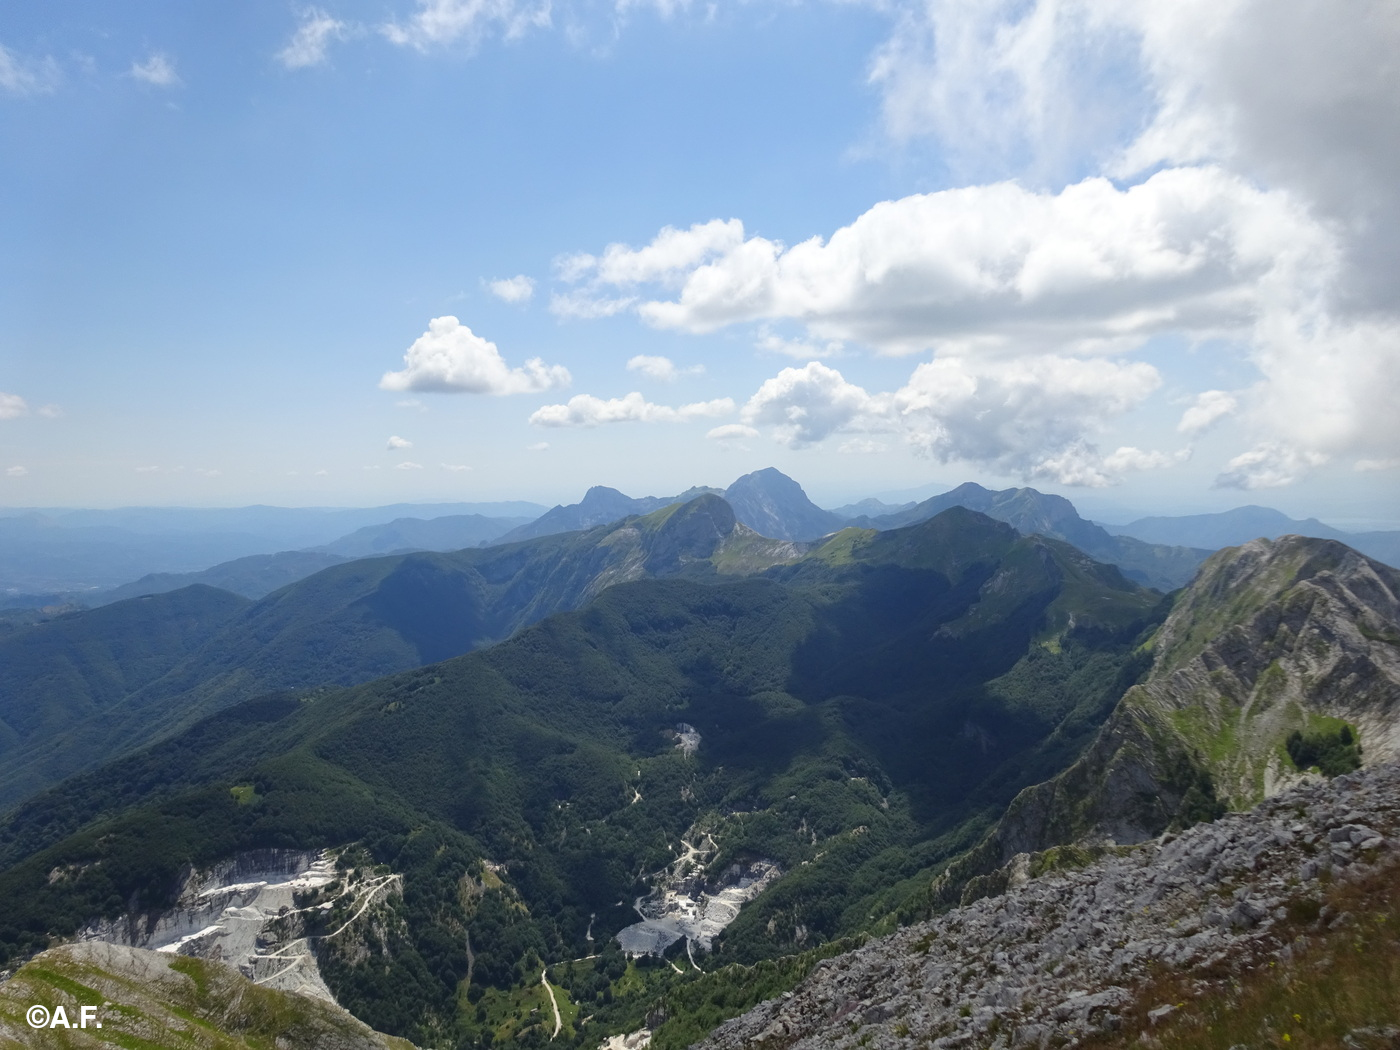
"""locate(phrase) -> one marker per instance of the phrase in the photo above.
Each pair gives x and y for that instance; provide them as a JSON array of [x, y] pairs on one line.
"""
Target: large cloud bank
[[1226, 173]]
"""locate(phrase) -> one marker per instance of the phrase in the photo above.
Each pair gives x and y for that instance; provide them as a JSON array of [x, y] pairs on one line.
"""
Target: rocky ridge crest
[[1271, 637]]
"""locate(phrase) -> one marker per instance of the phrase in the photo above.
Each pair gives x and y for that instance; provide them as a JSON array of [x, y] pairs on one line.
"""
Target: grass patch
[[1342, 985], [244, 794]]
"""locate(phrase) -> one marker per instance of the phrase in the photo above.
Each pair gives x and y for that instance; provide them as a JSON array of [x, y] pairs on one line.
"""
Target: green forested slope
[[863, 714], [56, 673], [347, 624]]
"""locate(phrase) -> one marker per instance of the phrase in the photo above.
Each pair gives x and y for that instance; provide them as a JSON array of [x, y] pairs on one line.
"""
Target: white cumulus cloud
[[1269, 465], [312, 39], [157, 70], [450, 358], [408, 465], [396, 442], [1294, 95], [1021, 416], [1209, 407], [999, 266], [456, 468], [1036, 417], [670, 256], [15, 472], [12, 406], [517, 289], [585, 410], [802, 406]]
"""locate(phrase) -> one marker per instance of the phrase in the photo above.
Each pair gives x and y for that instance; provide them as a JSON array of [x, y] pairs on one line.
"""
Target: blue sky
[[305, 254]]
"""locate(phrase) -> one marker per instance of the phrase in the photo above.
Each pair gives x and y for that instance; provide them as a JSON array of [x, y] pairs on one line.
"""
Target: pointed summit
[[772, 504]]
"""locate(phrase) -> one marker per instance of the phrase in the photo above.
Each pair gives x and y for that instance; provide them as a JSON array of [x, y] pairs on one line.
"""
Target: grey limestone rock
[[1064, 954]]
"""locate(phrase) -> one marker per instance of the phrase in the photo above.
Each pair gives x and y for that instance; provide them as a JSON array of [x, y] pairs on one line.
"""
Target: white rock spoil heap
[[1061, 956]]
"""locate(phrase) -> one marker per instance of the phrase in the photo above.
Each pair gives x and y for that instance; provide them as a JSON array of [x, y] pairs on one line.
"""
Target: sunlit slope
[[149, 999]]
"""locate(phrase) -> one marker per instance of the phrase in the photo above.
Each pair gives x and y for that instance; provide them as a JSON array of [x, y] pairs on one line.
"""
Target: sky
[[1144, 255]]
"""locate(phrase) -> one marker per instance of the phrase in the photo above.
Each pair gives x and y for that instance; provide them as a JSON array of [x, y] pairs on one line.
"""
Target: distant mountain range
[[56, 552], [255, 576], [1233, 527], [448, 533], [600, 506], [767, 501], [40, 552], [1032, 512]]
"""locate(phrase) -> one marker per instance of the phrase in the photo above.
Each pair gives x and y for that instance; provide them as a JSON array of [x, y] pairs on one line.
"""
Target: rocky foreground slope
[[1070, 957]]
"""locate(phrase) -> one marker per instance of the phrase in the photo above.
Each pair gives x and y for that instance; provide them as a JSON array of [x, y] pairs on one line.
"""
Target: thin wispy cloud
[[310, 44], [157, 71], [439, 23], [655, 366], [20, 75]]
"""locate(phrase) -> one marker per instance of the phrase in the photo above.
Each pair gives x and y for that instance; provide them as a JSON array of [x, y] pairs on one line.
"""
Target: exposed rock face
[[244, 912], [774, 505], [1064, 954], [1269, 638], [1270, 634]]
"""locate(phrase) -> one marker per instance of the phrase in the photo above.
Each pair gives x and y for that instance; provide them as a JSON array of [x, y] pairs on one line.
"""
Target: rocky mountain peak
[[774, 505]]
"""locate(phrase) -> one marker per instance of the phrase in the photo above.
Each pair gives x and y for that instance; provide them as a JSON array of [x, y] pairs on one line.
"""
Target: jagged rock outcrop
[[1272, 637], [1067, 954]]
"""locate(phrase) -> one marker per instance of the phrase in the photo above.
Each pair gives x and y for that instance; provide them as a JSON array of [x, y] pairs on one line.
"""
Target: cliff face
[[1273, 637]]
